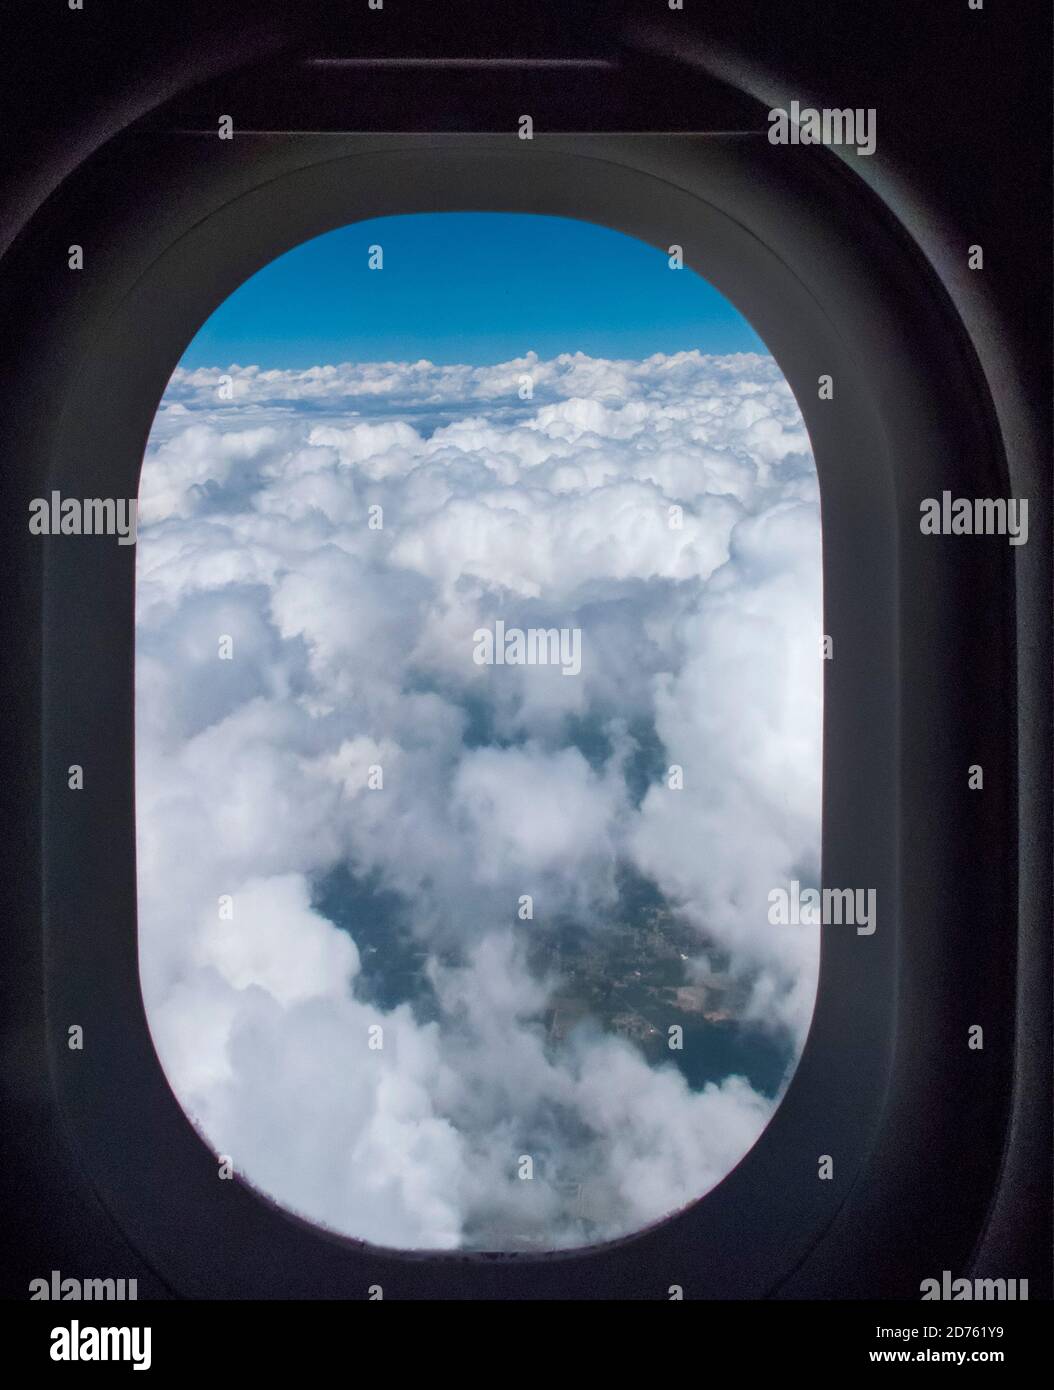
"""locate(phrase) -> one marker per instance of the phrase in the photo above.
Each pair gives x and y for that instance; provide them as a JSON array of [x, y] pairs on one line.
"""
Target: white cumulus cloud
[[375, 805]]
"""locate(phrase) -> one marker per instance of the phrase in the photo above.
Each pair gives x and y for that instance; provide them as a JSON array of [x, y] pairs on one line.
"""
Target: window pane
[[478, 713]]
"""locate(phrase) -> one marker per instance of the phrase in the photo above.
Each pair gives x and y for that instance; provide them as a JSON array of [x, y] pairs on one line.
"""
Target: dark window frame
[[921, 686]]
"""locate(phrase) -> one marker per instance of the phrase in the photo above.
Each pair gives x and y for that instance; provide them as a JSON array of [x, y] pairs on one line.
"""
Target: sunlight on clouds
[[352, 650]]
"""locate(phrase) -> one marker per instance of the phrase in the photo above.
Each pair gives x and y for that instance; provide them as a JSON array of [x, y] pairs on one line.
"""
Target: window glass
[[478, 715]]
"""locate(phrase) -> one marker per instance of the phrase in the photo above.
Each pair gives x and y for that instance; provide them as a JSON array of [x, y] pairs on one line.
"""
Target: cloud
[[667, 509]]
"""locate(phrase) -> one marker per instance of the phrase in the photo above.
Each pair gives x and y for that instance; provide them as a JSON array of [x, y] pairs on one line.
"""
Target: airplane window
[[478, 715]]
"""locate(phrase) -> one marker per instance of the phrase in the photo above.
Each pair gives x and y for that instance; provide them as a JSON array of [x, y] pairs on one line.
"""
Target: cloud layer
[[666, 508]]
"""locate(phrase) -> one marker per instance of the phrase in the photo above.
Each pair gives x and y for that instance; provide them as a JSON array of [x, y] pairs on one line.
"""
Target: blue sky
[[476, 288]]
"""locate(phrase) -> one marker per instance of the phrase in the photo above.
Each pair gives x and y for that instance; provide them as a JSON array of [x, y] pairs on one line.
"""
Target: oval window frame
[[748, 1236]]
